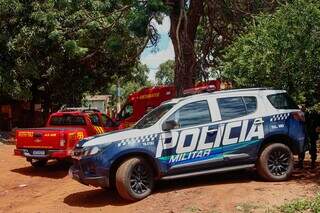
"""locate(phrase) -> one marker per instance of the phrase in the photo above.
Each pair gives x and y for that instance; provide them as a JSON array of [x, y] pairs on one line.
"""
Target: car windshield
[[152, 117], [67, 120], [126, 112]]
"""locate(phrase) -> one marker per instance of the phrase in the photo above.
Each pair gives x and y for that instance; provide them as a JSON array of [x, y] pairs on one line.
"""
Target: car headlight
[[89, 151]]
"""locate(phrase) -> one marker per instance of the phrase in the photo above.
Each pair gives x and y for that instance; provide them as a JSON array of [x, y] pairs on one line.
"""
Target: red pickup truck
[[62, 132]]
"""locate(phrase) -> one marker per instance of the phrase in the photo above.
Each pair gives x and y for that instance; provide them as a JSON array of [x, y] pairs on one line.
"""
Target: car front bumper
[[97, 181]]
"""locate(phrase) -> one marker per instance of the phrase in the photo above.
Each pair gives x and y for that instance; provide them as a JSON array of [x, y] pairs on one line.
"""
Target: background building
[[99, 102]]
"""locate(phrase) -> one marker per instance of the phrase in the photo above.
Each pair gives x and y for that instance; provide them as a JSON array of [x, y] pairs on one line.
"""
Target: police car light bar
[[198, 90]]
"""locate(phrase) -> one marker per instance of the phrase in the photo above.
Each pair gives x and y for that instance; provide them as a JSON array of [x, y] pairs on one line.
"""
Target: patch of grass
[[302, 205], [246, 207], [193, 209]]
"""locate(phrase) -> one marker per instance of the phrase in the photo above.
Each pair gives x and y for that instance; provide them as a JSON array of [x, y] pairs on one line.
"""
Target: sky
[[163, 52]]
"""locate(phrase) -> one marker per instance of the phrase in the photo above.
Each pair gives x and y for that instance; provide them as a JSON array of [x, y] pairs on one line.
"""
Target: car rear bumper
[[49, 153], [97, 181]]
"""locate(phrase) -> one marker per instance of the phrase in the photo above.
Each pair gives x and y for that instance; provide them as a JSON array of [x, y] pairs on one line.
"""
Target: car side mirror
[[169, 125]]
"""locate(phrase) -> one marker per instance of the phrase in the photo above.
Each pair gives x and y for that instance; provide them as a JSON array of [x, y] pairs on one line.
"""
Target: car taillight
[[299, 116]]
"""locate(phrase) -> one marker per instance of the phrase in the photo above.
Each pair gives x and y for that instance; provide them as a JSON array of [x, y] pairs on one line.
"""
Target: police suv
[[195, 135]]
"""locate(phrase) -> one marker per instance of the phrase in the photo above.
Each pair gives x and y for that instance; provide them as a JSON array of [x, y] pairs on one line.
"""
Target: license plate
[[39, 152]]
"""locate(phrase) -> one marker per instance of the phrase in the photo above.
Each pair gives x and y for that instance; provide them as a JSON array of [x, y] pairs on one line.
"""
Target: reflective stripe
[[98, 129]]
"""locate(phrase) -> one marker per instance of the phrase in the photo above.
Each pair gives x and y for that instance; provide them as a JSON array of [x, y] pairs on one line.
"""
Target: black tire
[[134, 179], [275, 162], [38, 163]]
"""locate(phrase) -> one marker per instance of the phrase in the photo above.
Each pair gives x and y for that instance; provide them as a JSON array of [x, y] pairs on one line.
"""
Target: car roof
[[245, 91], [78, 113]]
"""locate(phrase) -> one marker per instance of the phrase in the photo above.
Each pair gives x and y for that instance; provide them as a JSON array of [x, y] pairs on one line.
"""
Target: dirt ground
[[26, 189]]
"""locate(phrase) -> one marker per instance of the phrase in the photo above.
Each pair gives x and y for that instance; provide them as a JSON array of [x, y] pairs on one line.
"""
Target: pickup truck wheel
[[134, 179], [275, 162], [38, 162]]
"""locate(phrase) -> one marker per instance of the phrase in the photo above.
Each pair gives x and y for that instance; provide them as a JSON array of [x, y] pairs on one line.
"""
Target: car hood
[[113, 137]]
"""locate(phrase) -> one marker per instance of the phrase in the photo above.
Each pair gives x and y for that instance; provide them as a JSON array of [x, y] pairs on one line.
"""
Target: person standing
[[312, 136]]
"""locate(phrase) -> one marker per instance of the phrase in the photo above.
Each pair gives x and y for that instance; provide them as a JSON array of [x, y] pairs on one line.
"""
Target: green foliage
[[59, 49], [302, 205], [314, 108], [137, 79], [165, 74], [280, 50], [220, 25], [246, 207]]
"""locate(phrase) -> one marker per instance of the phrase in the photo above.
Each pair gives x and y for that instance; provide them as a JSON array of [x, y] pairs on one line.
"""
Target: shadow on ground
[[54, 170], [101, 197], [307, 175], [95, 198]]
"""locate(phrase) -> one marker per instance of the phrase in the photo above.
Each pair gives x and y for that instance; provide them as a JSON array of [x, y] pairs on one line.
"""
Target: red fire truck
[[141, 102]]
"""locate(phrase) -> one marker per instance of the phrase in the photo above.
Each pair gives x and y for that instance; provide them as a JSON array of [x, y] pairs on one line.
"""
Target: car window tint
[[251, 104], [95, 119], [282, 101], [126, 112], [104, 118], [231, 107], [192, 114], [67, 120]]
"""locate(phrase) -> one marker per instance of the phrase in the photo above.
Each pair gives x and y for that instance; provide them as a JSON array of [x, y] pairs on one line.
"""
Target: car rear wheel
[[275, 162], [134, 179], [38, 162]]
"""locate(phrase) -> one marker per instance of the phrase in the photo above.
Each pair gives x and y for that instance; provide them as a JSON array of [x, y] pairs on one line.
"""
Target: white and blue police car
[[195, 135]]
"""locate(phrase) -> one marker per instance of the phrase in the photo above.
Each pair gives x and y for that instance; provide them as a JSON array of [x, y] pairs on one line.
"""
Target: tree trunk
[[183, 33], [47, 105], [32, 112]]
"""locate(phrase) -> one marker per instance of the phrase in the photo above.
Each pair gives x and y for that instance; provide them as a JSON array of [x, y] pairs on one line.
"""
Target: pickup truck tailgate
[[43, 138]]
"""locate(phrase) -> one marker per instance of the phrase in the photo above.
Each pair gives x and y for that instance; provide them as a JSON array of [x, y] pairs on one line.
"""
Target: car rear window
[[67, 120], [282, 101], [235, 107]]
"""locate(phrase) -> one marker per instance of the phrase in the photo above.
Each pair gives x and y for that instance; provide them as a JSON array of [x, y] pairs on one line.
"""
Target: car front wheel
[[275, 162], [134, 179]]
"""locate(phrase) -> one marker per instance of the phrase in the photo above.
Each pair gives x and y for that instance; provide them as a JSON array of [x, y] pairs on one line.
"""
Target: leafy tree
[[201, 29], [280, 50], [220, 24], [58, 49], [128, 84], [165, 74]]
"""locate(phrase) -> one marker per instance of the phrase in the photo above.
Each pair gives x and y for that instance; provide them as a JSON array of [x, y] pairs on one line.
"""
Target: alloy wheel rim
[[140, 179], [278, 162]]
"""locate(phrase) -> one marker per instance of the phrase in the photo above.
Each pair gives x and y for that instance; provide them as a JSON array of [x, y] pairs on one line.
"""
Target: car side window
[[251, 103], [282, 101], [235, 107], [192, 114]]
